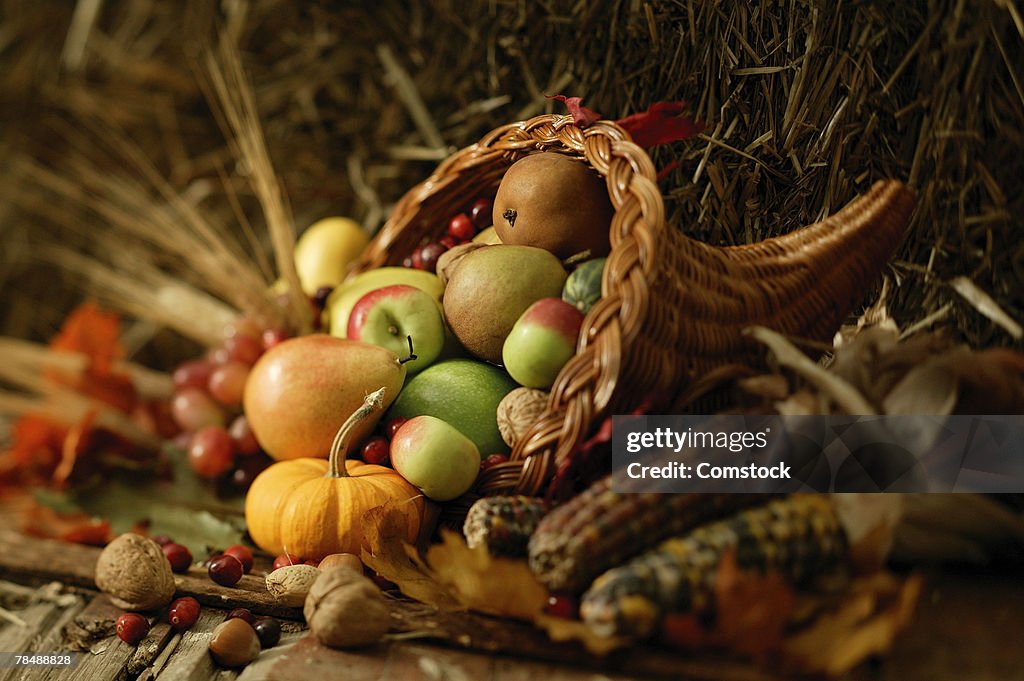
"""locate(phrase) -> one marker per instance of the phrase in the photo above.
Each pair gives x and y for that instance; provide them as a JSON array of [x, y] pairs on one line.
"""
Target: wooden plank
[[190, 659], [107, 656], [32, 560], [41, 636]]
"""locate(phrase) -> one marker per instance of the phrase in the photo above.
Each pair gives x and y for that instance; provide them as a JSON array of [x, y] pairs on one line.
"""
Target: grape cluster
[[207, 406], [461, 229]]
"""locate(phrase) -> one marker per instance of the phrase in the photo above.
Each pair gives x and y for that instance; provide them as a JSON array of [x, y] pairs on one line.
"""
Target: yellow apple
[[325, 250]]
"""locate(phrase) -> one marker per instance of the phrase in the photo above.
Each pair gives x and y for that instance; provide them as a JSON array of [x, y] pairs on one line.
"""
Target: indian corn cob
[[797, 536], [600, 528], [503, 524]]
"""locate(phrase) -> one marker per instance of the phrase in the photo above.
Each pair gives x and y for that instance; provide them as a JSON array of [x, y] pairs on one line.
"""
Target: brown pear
[[554, 202], [491, 287]]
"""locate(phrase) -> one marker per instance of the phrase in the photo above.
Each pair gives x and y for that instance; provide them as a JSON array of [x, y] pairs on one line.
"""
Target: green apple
[[344, 297], [436, 457], [392, 315], [325, 250], [463, 392], [542, 340]]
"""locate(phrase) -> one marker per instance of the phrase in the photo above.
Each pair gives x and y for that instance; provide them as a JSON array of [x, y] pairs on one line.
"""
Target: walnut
[[518, 410], [134, 572], [450, 259], [344, 609], [290, 584]]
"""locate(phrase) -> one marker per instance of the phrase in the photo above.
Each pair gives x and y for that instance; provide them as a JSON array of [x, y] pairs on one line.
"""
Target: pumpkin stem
[[339, 448]]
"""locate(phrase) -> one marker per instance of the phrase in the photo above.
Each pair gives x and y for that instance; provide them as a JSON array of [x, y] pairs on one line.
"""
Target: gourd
[[314, 507]]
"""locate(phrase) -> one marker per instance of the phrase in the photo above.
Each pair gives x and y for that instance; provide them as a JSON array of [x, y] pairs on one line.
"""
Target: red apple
[[389, 316], [434, 456], [542, 340]]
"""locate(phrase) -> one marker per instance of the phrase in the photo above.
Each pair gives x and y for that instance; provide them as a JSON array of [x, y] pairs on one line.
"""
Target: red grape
[[461, 227], [227, 383], [273, 337], [226, 570], [245, 349], [449, 242], [415, 259], [131, 627], [193, 409], [193, 374], [243, 326], [242, 437], [376, 450], [243, 554], [407, 261], [211, 452], [393, 425], [429, 255], [482, 213]]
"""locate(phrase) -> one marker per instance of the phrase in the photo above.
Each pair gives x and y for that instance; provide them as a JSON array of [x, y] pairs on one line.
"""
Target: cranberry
[[268, 630], [178, 556], [560, 605], [284, 560], [376, 450], [226, 570], [242, 614], [162, 539], [481, 213], [461, 227], [429, 255], [448, 241], [132, 627], [393, 425], [183, 613], [243, 554], [493, 460], [417, 262]]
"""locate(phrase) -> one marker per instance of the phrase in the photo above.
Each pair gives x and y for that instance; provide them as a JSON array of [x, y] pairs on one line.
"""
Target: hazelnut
[[344, 609], [342, 560], [234, 643], [290, 584], [134, 572], [518, 410]]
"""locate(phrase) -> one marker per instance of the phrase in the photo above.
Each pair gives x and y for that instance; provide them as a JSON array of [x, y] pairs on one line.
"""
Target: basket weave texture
[[673, 308]]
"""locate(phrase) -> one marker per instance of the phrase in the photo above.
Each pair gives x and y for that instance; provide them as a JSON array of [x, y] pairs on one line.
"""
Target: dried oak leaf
[[663, 122], [863, 623], [581, 115], [386, 553]]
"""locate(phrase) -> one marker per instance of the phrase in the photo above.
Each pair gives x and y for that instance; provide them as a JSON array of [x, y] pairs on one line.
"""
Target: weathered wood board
[[966, 627]]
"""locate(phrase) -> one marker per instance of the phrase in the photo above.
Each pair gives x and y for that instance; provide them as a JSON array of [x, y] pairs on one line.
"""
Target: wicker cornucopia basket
[[672, 308]]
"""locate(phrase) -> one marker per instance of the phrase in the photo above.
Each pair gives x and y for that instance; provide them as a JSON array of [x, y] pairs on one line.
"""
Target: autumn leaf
[[663, 122], [581, 115], [45, 522], [751, 609]]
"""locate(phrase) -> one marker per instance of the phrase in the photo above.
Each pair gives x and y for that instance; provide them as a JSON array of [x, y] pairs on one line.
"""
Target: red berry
[[162, 539], [242, 614], [132, 627], [245, 349], [493, 460], [178, 556], [268, 630], [193, 408], [562, 606], [193, 374], [376, 450], [219, 355], [393, 425], [227, 383], [429, 255], [461, 227], [211, 451], [183, 613], [416, 260], [243, 554], [407, 262], [226, 570], [273, 337], [243, 326], [242, 437], [482, 213], [284, 560], [448, 241]]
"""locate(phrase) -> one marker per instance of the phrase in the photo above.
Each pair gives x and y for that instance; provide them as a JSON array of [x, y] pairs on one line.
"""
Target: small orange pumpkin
[[314, 507]]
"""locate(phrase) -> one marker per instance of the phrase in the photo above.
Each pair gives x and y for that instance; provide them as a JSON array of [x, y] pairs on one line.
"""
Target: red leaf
[[42, 521], [93, 333], [663, 122], [581, 115]]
